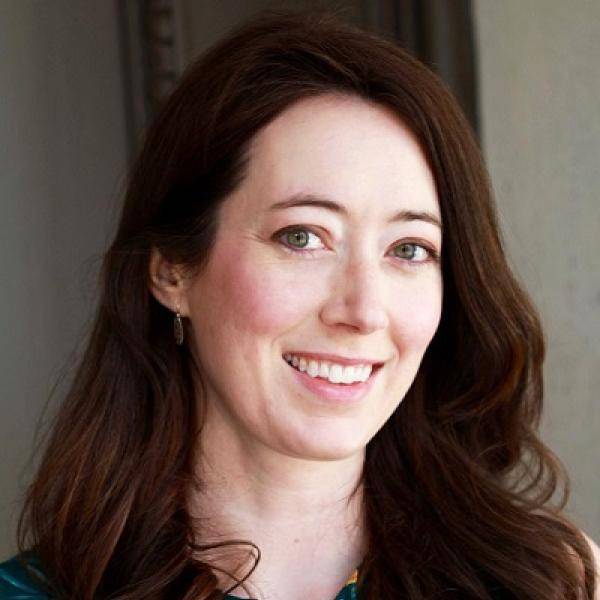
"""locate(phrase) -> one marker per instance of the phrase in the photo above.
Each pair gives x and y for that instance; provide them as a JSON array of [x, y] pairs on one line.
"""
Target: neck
[[302, 514]]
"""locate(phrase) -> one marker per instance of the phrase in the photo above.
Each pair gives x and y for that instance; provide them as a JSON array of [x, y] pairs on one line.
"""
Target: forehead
[[358, 153]]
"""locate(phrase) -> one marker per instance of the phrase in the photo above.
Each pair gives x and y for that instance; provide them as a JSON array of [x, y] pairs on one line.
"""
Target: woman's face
[[354, 279]]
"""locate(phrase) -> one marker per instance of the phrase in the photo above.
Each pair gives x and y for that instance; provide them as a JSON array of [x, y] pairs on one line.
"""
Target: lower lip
[[336, 392]]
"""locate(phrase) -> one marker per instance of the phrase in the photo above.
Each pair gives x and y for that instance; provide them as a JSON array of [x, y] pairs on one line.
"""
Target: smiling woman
[[355, 382], [334, 311]]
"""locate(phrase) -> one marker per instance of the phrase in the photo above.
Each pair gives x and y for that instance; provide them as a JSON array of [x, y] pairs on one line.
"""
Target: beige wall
[[62, 154], [540, 107]]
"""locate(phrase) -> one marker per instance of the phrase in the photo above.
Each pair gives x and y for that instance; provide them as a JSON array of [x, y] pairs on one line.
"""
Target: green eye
[[414, 253], [297, 238], [406, 251]]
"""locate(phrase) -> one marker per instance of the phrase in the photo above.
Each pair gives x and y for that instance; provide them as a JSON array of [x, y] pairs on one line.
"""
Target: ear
[[168, 284]]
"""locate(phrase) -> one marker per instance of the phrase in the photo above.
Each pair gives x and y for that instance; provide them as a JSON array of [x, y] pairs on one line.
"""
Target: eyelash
[[433, 255]]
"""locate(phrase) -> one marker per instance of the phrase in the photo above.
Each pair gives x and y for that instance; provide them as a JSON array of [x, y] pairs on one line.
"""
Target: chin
[[329, 450]]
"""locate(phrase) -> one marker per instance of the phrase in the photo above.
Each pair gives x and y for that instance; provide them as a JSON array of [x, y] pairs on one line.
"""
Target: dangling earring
[[178, 328]]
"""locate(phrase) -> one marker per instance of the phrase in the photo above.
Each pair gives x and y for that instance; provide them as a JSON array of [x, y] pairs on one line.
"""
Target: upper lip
[[335, 358]]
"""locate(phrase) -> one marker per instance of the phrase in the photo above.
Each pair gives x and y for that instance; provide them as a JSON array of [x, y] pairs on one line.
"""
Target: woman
[[309, 346]]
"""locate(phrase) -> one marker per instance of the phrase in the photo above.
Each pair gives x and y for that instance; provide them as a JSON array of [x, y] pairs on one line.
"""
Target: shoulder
[[595, 549], [596, 556], [17, 583]]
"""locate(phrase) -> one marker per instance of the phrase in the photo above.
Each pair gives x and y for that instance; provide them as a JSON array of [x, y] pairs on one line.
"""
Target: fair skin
[[279, 461]]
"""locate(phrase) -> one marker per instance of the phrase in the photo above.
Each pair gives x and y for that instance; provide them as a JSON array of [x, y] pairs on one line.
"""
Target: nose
[[356, 298]]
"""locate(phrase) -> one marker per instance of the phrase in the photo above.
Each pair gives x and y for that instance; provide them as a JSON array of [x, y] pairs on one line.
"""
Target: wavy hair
[[458, 487]]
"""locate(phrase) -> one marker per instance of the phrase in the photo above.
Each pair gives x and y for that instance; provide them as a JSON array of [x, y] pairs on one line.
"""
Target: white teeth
[[313, 368], [332, 372], [366, 372], [324, 370], [348, 375], [335, 374]]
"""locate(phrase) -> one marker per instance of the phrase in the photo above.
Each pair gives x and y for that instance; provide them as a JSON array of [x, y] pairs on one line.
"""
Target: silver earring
[[178, 328]]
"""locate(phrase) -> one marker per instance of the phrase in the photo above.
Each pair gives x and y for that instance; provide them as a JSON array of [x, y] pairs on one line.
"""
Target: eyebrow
[[304, 199]]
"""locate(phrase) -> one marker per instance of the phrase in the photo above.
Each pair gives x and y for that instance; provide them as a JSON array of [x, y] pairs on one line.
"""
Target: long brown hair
[[458, 487]]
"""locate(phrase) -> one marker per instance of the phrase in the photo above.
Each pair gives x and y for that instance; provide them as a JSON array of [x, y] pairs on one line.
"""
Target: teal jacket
[[17, 584]]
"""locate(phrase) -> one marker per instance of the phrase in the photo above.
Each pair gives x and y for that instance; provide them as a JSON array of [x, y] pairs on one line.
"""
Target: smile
[[331, 380], [333, 372]]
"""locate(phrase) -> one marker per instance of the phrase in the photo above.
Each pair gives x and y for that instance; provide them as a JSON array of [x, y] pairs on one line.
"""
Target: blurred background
[[79, 79]]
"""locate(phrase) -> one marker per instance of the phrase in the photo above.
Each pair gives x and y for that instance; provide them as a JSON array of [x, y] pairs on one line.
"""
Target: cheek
[[418, 318], [261, 296]]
